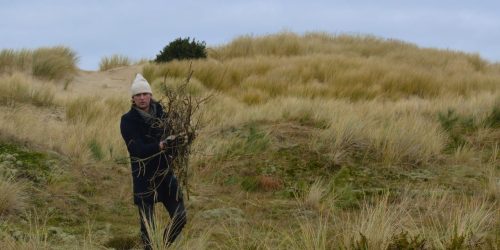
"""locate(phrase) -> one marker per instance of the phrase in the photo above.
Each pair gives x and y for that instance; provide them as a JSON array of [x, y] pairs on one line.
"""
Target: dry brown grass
[[378, 223], [19, 88], [365, 102], [114, 61], [12, 197], [318, 65], [54, 63], [51, 63], [313, 198]]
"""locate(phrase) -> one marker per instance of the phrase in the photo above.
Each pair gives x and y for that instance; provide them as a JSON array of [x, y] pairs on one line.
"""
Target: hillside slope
[[308, 142]]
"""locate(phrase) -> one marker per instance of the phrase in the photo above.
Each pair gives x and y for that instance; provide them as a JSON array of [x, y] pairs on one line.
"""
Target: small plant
[[404, 241], [11, 198], [182, 48], [250, 184], [361, 244], [313, 197], [96, 150], [457, 241]]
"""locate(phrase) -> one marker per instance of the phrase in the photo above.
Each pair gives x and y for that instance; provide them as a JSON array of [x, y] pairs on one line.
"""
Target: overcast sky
[[140, 29]]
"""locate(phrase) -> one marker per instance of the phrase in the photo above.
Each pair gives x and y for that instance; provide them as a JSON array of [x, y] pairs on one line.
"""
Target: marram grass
[[404, 140], [113, 61]]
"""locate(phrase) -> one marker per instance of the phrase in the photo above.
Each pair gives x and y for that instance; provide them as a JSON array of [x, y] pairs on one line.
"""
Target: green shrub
[[182, 49]]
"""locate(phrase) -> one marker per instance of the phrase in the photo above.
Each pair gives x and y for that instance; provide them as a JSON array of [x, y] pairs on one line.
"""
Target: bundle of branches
[[182, 119]]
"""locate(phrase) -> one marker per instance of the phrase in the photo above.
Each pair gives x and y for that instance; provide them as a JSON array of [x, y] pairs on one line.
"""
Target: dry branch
[[181, 120]]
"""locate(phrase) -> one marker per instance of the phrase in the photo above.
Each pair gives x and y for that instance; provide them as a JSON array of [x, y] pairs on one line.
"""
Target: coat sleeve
[[135, 145]]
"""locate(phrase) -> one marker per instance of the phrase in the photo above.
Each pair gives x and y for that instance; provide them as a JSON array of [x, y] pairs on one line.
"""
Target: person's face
[[142, 100]]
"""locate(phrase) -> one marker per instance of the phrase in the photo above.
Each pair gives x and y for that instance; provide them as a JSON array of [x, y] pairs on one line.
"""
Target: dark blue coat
[[153, 179]]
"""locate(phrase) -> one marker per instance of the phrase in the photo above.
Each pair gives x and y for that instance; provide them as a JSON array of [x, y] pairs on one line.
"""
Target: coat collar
[[134, 114]]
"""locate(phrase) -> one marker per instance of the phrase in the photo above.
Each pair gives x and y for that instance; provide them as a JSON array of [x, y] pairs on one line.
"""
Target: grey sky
[[140, 29]]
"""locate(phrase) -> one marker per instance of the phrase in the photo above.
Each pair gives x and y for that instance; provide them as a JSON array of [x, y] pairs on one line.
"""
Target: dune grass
[[50, 63], [317, 65], [114, 61], [18, 88], [366, 141], [12, 198], [15, 60], [54, 63]]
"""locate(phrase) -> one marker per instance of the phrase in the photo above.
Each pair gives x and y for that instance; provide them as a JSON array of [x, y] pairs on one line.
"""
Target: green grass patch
[[34, 166], [459, 127], [249, 141], [493, 119], [96, 149]]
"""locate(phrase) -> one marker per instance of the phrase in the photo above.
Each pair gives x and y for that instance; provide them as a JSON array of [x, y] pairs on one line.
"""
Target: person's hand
[[162, 145], [175, 140]]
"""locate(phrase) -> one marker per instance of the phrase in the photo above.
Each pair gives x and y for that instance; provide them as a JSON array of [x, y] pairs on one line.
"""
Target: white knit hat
[[140, 85]]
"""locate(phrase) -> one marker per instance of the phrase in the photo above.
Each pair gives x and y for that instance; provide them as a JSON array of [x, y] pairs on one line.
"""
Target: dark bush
[[182, 49]]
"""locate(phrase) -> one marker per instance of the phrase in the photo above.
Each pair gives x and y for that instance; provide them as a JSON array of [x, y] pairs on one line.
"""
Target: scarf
[[149, 117]]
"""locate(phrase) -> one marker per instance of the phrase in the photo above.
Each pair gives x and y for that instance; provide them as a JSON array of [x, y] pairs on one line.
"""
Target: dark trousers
[[177, 212]]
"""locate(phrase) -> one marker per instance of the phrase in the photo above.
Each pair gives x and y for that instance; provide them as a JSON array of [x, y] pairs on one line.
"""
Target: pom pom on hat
[[140, 85]]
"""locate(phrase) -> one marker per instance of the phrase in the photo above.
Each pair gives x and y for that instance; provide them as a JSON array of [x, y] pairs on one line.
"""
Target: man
[[151, 160]]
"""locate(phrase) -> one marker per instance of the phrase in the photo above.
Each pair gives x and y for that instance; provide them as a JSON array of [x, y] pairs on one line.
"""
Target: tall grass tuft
[[18, 88], [35, 238], [14, 90], [84, 110], [11, 197], [465, 223], [114, 61], [311, 235], [54, 63], [376, 224], [50, 63], [313, 197], [12, 60]]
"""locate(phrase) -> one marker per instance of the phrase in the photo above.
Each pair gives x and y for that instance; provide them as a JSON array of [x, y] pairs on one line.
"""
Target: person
[[151, 162]]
